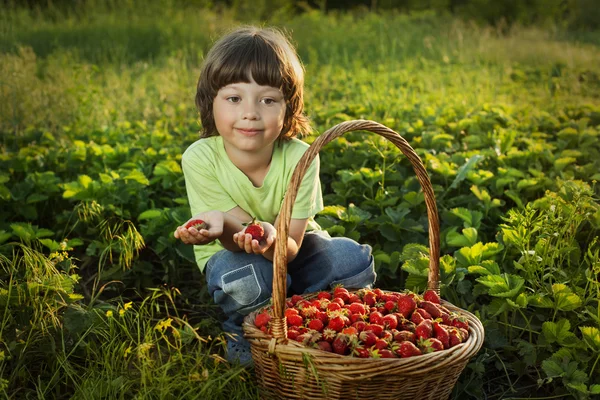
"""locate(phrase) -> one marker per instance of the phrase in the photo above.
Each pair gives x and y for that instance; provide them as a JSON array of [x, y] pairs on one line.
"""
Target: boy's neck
[[254, 165]]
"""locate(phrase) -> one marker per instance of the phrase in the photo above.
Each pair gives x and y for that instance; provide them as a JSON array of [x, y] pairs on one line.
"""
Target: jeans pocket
[[242, 285]]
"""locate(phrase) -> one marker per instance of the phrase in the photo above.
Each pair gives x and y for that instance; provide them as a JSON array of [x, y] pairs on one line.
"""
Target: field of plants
[[99, 301]]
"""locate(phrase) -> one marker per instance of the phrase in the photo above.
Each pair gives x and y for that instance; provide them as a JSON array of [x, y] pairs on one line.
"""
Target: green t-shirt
[[213, 182]]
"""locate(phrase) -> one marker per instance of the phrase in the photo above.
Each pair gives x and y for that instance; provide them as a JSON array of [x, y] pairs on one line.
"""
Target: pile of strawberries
[[371, 323]]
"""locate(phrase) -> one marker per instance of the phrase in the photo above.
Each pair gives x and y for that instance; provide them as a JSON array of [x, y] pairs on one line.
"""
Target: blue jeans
[[240, 282]]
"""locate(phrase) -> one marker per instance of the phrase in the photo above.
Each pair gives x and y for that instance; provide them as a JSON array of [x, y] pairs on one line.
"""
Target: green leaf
[[150, 214], [540, 300], [464, 170], [487, 267], [564, 298], [333, 211], [23, 231], [591, 337], [167, 167], [467, 239], [505, 285], [137, 176], [552, 368], [418, 267], [50, 244], [595, 389], [4, 236], [559, 332]]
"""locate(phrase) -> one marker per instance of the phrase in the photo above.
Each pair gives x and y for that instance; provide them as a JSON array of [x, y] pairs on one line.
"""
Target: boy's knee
[[354, 265]]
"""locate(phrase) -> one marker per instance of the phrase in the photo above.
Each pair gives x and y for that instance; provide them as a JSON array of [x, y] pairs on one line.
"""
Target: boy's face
[[249, 117]]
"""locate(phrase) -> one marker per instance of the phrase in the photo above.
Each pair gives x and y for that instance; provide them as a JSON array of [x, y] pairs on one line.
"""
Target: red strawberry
[[338, 300], [368, 338], [196, 223], [432, 296], [292, 334], [255, 229], [361, 352], [386, 353], [416, 318], [424, 330], [378, 292], [324, 345], [376, 318], [376, 329], [359, 325], [403, 336], [381, 344], [309, 312], [446, 319], [390, 306], [406, 305], [460, 322], [336, 323], [431, 308], [440, 333], [430, 345], [405, 324], [350, 331], [387, 335], [262, 319], [322, 315], [455, 336], [324, 295], [316, 324], [390, 321], [296, 298], [356, 317], [370, 299], [329, 334], [423, 313], [354, 298], [357, 308], [333, 306], [290, 311], [295, 320], [408, 349], [340, 344]]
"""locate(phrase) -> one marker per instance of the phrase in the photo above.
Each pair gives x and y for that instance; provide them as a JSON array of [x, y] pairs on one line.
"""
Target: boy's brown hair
[[267, 56]]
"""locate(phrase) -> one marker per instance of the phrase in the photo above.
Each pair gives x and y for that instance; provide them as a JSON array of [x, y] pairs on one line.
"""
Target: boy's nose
[[250, 112]]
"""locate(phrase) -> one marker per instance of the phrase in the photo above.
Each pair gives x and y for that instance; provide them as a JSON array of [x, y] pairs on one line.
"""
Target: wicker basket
[[288, 370]]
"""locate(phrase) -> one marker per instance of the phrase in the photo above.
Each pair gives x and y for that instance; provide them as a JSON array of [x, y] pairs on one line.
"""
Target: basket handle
[[278, 322]]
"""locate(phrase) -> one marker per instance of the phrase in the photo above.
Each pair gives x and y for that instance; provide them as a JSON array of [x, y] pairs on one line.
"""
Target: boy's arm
[[221, 225]]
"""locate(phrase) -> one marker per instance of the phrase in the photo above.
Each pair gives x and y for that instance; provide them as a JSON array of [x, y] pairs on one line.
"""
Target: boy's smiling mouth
[[249, 132]]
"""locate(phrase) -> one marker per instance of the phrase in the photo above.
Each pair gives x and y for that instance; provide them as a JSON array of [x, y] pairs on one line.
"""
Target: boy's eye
[[233, 99], [268, 101]]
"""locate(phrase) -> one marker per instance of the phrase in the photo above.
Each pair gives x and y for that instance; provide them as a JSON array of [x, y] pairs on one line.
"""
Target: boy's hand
[[214, 220], [253, 246]]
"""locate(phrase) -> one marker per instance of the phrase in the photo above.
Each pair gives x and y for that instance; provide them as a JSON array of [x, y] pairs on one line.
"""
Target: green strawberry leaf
[[150, 214], [467, 239], [591, 337], [487, 267], [464, 170], [505, 285], [564, 298], [559, 332]]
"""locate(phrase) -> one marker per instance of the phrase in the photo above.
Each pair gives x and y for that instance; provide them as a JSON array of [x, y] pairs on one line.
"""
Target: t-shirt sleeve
[[204, 191], [310, 198]]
